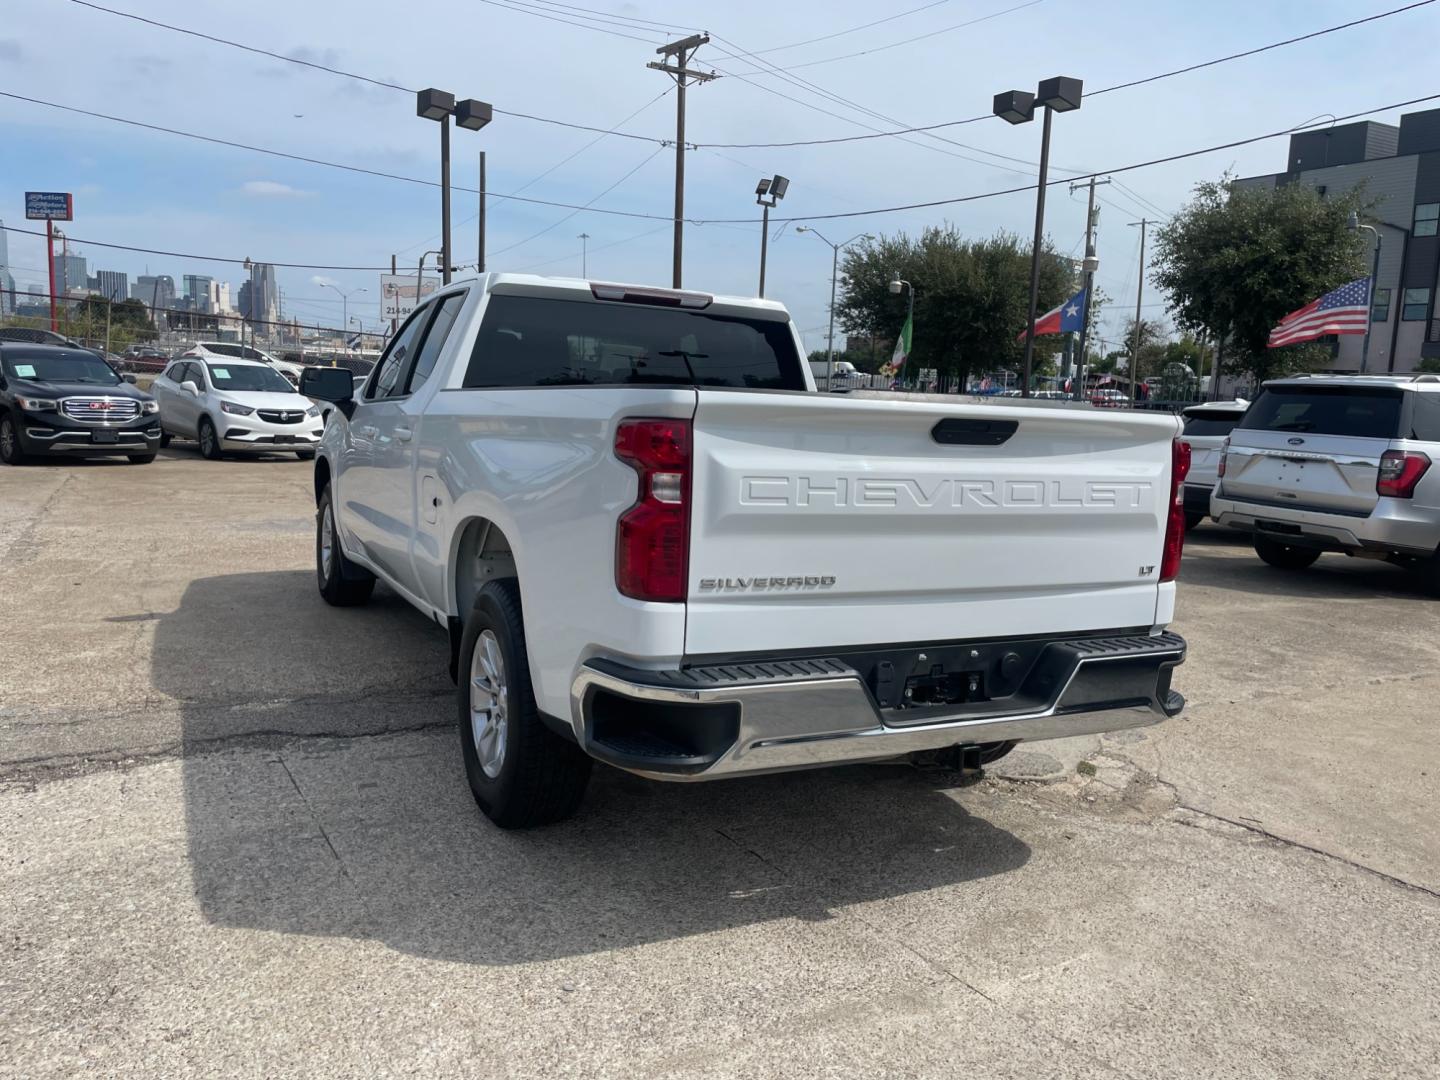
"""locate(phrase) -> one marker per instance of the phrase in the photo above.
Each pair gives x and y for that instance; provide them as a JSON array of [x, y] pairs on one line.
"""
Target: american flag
[[1345, 310]]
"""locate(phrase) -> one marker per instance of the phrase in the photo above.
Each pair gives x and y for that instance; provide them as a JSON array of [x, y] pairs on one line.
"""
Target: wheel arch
[[480, 552], [321, 476]]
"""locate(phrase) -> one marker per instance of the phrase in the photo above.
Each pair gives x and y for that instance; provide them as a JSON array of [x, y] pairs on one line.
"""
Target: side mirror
[[190, 387], [130, 379], [335, 385]]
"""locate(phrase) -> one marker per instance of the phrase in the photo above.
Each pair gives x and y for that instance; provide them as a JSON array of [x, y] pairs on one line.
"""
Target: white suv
[[230, 350], [228, 405], [1338, 463], [1205, 429]]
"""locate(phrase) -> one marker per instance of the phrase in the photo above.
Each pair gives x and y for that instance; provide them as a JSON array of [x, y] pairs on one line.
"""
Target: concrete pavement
[[238, 840]]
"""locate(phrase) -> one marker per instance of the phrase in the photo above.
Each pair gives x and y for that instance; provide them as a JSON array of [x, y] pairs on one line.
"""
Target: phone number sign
[[49, 205]]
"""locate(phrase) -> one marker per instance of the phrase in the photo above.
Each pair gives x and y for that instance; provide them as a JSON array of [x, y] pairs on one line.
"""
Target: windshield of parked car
[[535, 341], [248, 377], [57, 366], [1363, 411]]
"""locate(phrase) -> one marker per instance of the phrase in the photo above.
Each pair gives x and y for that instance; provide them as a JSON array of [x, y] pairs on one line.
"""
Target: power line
[[191, 255], [854, 29], [570, 22], [600, 247], [633, 20], [386, 84], [1090, 94]]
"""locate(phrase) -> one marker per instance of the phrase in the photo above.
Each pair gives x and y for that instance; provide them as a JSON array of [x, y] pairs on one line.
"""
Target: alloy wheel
[[488, 695]]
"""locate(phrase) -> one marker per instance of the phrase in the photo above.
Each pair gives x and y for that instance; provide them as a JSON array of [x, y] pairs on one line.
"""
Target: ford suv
[[1342, 463]]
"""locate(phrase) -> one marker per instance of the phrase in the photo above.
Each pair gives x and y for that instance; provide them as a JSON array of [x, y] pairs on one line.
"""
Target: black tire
[[209, 440], [11, 452], [1191, 520], [1428, 571], [165, 438], [140, 459], [305, 455], [1284, 556], [342, 583], [537, 778]]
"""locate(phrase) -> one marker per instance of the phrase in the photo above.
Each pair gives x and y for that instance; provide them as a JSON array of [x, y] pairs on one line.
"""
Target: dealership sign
[[49, 205], [397, 294]]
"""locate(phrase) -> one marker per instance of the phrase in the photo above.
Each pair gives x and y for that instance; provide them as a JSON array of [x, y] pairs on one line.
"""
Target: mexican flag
[[902, 350]]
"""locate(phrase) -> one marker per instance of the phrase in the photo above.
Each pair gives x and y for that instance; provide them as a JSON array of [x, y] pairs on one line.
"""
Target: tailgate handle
[[958, 432]]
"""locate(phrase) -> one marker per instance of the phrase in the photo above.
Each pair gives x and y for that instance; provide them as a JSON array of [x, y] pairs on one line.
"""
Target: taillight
[[1175, 521], [1400, 471], [652, 538], [1224, 456]]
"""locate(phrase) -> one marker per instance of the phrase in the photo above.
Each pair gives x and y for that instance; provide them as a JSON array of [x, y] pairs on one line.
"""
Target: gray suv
[[1345, 463]]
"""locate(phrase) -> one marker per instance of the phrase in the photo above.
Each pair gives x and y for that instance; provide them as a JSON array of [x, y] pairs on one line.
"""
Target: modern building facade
[[154, 290], [112, 284], [198, 291], [7, 280], [1399, 168], [263, 296], [70, 274]]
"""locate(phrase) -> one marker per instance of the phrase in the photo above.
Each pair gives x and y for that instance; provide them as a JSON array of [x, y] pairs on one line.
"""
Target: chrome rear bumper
[[704, 723]]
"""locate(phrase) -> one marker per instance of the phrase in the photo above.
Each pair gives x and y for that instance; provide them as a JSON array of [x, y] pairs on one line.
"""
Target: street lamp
[[440, 105], [584, 239], [344, 301], [775, 187], [896, 287], [1059, 94], [419, 280], [834, 274], [1355, 226]]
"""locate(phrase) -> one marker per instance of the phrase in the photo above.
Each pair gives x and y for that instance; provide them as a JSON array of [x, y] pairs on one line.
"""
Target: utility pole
[[680, 52], [1144, 223], [584, 239], [394, 323], [480, 261], [1090, 265]]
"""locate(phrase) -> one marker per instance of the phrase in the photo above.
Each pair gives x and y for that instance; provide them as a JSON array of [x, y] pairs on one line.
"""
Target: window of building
[[1380, 309], [1416, 305], [1427, 217]]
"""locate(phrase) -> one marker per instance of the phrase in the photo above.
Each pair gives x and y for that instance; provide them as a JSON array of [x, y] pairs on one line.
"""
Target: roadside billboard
[[397, 294], [49, 206]]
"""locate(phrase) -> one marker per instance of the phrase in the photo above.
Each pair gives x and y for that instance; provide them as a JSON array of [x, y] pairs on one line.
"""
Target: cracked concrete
[[238, 841]]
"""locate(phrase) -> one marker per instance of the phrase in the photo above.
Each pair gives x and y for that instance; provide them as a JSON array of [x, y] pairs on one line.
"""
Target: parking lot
[[238, 841]]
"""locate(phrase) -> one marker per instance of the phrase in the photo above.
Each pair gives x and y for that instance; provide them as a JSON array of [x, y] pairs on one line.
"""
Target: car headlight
[[235, 410], [32, 404], [150, 406], [313, 410]]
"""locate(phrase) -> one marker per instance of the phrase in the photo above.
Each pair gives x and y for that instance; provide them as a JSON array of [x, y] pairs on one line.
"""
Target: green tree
[[1234, 263], [970, 297], [1430, 365]]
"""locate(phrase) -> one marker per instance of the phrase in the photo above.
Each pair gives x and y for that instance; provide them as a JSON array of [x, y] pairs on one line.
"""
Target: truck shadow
[[324, 796], [1217, 562]]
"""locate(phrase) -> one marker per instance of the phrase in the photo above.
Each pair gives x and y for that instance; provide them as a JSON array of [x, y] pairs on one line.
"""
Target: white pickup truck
[[654, 544]]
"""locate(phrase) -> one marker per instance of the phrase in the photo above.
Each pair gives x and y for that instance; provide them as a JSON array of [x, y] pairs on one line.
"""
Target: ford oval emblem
[[1296, 442]]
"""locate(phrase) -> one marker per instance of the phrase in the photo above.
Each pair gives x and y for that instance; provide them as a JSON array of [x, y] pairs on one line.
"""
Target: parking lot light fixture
[[835, 250], [440, 105], [769, 191]]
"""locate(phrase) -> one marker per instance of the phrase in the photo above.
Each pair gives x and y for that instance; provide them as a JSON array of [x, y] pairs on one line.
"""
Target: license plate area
[[1284, 528], [284, 438], [104, 436]]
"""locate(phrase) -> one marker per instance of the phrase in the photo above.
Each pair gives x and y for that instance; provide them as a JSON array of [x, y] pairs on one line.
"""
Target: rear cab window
[[1360, 411], [530, 341]]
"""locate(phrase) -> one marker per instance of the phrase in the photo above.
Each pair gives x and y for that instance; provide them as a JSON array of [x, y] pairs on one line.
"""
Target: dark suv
[[58, 400]]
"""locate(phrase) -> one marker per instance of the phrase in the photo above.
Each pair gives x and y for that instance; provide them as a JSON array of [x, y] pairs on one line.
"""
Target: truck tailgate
[[820, 520]]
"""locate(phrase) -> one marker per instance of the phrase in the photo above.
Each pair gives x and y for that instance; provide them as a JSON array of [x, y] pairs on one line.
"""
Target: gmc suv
[[1338, 463]]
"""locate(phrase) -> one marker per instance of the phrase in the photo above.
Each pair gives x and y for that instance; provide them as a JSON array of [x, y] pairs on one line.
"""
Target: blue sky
[[161, 191]]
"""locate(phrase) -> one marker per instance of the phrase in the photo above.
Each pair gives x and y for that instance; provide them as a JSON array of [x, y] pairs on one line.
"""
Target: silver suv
[[1346, 463]]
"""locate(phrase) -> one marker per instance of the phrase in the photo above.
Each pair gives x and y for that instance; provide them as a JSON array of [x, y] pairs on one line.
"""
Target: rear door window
[[539, 341], [1363, 412]]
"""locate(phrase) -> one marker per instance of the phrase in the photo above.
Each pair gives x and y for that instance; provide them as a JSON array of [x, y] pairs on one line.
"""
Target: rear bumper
[[1395, 526], [705, 723]]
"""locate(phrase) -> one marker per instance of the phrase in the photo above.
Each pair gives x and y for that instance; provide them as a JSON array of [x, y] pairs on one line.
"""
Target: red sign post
[[50, 206]]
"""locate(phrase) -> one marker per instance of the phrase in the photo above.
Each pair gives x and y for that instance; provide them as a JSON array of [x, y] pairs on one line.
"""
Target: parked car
[[35, 336], [847, 375], [1109, 399], [235, 405], [1337, 463], [641, 533], [61, 400], [1205, 429], [229, 350]]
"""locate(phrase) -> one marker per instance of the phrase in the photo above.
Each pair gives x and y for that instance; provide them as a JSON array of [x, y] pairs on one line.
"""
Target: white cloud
[[272, 189], [320, 279]]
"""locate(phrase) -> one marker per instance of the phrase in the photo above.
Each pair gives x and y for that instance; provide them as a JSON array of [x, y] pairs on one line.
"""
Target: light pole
[[834, 274], [1355, 226], [584, 239], [344, 301], [775, 187], [440, 105], [1059, 94], [896, 287], [420, 278]]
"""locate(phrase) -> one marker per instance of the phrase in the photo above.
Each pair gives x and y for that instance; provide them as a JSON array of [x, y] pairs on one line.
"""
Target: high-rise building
[[157, 291], [7, 281], [220, 296], [112, 284], [264, 294], [70, 274], [197, 291]]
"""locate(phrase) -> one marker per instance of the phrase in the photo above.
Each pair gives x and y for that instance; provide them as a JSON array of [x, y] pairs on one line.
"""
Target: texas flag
[[1061, 320]]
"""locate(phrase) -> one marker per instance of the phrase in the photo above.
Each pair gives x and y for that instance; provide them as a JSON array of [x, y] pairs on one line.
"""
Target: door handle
[[404, 434]]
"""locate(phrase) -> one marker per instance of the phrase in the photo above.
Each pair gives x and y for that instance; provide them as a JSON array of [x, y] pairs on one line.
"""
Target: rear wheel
[[305, 455], [140, 459], [1428, 571], [209, 440], [1284, 556], [1191, 520], [521, 773], [342, 583], [11, 452]]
